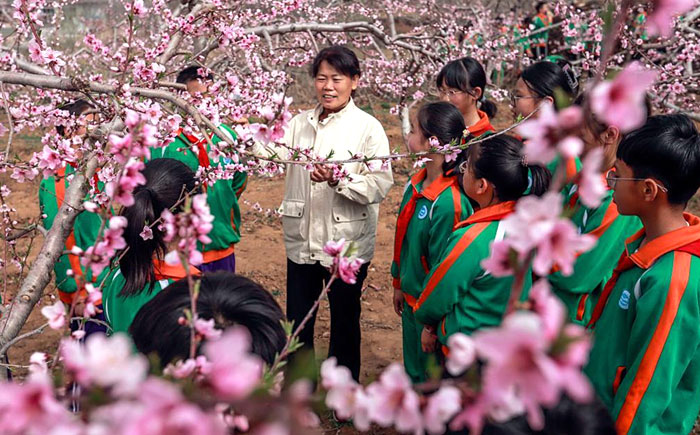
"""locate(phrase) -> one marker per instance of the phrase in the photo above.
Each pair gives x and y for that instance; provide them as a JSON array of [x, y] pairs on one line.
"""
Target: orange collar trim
[[482, 126], [164, 270], [436, 187], [649, 253], [489, 214]]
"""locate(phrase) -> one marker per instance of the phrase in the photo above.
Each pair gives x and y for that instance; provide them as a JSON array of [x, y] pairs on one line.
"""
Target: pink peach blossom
[[591, 186], [620, 102], [56, 314], [234, 372]]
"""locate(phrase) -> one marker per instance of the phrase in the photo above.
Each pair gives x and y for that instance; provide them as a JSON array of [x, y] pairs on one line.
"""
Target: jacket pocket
[[293, 222], [619, 376], [349, 220]]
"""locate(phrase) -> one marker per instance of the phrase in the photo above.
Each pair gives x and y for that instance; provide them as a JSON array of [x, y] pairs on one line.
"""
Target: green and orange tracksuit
[[121, 310], [459, 295], [71, 276], [645, 361], [222, 197], [580, 290], [426, 219]]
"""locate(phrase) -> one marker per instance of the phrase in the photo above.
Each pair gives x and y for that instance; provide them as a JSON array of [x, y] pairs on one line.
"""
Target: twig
[[10, 343]]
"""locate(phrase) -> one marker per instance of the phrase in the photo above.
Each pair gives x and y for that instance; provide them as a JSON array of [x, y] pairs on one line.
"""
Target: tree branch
[[40, 272]]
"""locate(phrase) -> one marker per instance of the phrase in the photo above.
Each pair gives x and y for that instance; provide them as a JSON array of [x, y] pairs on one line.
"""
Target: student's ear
[[650, 190], [481, 186], [611, 136], [477, 92], [548, 98]]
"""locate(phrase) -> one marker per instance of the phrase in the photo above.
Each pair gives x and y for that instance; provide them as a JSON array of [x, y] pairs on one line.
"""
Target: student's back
[[223, 194], [142, 273], [459, 294]]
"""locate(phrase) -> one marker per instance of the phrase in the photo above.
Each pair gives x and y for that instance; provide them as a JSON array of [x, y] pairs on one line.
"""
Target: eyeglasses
[[514, 98], [449, 92], [463, 166], [612, 181]]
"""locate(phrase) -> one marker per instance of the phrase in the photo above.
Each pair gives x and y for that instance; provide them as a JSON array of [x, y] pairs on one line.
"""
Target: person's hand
[[428, 340], [398, 301], [322, 173]]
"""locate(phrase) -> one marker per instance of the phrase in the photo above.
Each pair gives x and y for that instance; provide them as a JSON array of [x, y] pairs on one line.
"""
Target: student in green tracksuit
[[459, 295], [645, 360], [542, 19], [223, 195], [580, 290], [142, 273], [432, 205], [71, 276]]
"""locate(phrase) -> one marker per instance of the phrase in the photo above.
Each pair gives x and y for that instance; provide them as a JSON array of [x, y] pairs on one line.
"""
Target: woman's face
[[333, 88], [524, 100], [415, 141]]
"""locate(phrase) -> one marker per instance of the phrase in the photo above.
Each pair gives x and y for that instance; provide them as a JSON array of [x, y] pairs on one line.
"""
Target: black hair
[[466, 74], [339, 57], [666, 147], [544, 78], [566, 417], [444, 121], [227, 298], [75, 108], [539, 5], [192, 73], [166, 182], [499, 159]]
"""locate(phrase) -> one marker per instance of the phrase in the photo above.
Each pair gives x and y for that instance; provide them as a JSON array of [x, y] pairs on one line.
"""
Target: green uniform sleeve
[[395, 272], [451, 276], [663, 344], [239, 183]]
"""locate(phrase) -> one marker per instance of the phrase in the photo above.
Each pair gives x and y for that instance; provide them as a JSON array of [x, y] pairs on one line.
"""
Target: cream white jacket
[[313, 213]]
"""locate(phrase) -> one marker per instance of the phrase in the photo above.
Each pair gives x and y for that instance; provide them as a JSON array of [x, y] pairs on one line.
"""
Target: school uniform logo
[[624, 301], [423, 212]]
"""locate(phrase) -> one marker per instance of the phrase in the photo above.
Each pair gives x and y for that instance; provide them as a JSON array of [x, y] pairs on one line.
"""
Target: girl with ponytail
[[432, 205], [462, 82], [142, 272], [459, 295]]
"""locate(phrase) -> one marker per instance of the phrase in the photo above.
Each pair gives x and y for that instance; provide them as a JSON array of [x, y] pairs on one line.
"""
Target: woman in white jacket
[[318, 208]]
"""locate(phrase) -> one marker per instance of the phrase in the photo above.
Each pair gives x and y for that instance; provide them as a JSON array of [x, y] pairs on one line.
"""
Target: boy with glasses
[[645, 361]]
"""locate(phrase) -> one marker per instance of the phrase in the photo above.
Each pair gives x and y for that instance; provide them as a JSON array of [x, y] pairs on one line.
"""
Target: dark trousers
[[304, 285]]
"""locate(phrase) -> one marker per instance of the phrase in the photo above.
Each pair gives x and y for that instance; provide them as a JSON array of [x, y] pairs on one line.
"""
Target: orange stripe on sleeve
[[645, 372], [463, 243]]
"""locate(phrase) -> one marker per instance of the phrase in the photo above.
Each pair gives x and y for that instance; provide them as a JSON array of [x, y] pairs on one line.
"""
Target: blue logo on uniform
[[423, 212], [624, 301]]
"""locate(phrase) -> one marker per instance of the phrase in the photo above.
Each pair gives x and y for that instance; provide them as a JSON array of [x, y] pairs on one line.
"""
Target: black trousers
[[304, 285]]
